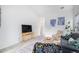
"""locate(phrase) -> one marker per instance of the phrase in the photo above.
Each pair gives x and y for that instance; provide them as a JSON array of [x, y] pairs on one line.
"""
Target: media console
[[27, 36]]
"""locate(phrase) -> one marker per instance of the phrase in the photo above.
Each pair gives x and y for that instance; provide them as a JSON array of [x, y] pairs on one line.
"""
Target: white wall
[[56, 12], [51, 12], [76, 17], [12, 19], [75, 10]]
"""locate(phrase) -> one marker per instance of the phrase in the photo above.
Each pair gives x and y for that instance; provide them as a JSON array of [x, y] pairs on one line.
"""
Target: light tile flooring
[[24, 47]]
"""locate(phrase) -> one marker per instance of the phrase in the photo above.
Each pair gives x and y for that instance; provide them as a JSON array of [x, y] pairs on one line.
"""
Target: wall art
[[61, 20], [53, 22]]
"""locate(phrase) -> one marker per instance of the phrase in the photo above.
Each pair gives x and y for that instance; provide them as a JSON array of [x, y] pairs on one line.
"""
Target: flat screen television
[[26, 28]]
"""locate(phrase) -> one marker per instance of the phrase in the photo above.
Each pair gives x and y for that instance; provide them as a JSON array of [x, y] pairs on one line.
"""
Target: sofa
[[66, 47]]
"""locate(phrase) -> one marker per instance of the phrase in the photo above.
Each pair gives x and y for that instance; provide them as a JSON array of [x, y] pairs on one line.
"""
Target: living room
[[46, 22]]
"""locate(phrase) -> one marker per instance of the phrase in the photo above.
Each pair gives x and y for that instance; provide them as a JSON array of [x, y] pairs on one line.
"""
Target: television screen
[[26, 28]]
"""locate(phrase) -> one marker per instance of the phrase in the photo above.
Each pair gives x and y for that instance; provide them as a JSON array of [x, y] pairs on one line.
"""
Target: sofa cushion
[[75, 35]]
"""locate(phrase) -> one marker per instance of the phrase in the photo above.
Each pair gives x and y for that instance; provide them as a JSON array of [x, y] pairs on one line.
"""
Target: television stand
[[27, 36]]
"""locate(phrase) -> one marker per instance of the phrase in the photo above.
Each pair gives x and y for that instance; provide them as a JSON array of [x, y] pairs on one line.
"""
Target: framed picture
[[53, 22], [61, 20]]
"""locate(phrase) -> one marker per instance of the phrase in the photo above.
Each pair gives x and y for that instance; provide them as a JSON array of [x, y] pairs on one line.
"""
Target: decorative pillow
[[71, 41], [67, 37]]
